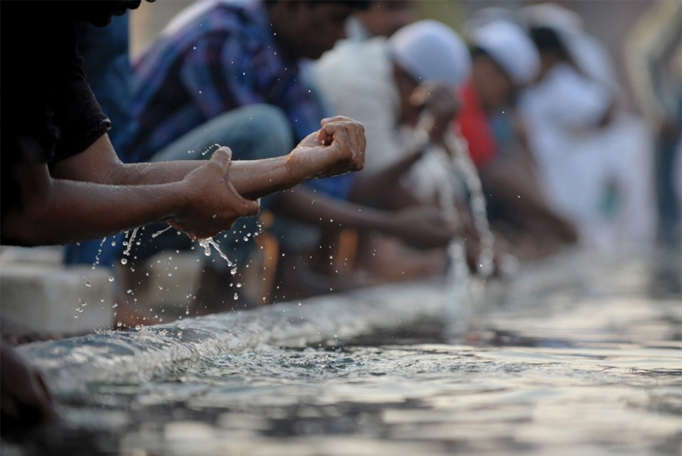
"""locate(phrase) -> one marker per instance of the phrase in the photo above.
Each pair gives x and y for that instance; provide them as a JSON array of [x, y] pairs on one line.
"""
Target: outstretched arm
[[93, 194], [338, 147], [421, 227]]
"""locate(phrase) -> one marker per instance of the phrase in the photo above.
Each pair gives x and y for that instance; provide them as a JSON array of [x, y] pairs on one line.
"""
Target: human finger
[[222, 156]]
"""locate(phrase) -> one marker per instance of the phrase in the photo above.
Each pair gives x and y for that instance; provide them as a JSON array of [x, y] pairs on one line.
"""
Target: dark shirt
[[48, 110]]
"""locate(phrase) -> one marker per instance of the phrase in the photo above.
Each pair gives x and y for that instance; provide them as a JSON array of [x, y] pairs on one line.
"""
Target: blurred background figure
[[390, 84], [653, 53], [594, 160], [505, 61]]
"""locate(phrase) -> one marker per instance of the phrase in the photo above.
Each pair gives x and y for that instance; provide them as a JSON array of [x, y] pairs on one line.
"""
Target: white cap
[[511, 48], [431, 51]]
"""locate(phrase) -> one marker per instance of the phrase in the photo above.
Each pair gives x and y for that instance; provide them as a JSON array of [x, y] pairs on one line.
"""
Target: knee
[[271, 129]]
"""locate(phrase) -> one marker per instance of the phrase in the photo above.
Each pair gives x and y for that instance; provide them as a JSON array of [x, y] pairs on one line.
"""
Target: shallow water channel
[[572, 357]]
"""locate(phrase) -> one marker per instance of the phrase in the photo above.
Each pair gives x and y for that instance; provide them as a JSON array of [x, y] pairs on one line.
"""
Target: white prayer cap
[[511, 48], [431, 51]]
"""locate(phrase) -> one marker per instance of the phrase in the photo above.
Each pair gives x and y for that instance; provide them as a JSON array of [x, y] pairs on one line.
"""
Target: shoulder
[[355, 63]]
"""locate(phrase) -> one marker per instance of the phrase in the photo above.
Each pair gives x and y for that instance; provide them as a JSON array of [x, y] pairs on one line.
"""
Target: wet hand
[[211, 203], [439, 106], [337, 148]]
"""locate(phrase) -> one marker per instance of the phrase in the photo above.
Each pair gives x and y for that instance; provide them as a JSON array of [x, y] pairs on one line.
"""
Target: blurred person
[[231, 73], [504, 62], [63, 181], [594, 160], [382, 18], [392, 84], [653, 54]]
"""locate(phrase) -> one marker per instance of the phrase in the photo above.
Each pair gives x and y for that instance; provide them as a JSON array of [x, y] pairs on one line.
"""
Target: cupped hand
[[423, 227], [337, 148], [211, 204]]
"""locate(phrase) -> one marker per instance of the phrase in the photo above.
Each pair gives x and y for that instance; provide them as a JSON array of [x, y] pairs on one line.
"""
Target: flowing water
[[572, 358]]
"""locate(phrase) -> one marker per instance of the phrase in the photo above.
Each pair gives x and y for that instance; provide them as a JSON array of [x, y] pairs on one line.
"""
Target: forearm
[[69, 211], [306, 206], [375, 182], [252, 179]]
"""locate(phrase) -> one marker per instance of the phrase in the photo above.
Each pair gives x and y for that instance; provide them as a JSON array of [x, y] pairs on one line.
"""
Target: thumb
[[251, 207], [325, 135], [222, 156]]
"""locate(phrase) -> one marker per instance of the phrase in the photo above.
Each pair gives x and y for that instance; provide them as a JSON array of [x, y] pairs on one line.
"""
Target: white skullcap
[[511, 48], [431, 51]]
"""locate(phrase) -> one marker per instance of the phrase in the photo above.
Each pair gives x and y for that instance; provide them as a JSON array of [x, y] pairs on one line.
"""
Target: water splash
[[160, 232], [208, 243], [458, 278], [465, 166], [130, 241]]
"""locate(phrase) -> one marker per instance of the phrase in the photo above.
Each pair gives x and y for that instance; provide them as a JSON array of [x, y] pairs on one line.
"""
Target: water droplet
[[236, 296], [111, 279], [119, 324], [87, 284], [124, 260], [137, 327]]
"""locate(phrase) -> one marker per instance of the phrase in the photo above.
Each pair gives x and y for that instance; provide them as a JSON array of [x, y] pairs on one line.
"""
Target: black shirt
[[48, 112]]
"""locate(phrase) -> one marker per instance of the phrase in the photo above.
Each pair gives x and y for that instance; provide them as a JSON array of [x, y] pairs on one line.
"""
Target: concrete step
[[52, 299]]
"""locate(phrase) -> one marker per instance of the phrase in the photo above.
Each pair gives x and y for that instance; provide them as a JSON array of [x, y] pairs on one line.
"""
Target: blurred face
[[494, 87], [409, 114], [305, 30], [385, 17]]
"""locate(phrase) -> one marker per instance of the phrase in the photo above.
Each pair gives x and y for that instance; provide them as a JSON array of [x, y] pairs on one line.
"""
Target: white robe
[[581, 163]]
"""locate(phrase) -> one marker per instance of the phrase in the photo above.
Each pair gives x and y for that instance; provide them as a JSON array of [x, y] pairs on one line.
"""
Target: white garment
[[357, 80], [579, 163]]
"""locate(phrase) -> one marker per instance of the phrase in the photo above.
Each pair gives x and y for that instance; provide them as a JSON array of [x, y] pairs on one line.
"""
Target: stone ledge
[[55, 300]]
